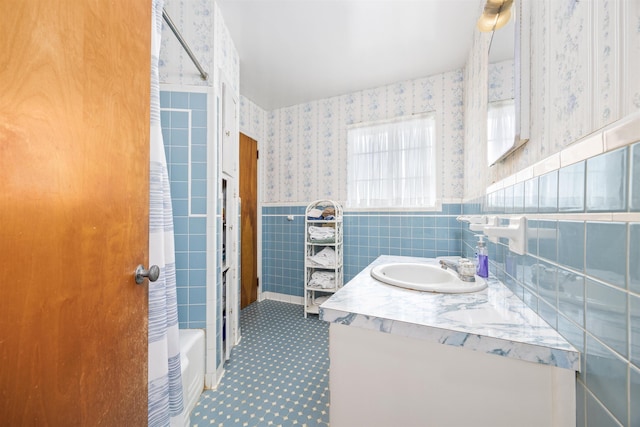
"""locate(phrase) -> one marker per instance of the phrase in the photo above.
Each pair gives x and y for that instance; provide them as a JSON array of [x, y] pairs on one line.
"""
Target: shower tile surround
[[203, 26], [581, 270], [184, 131]]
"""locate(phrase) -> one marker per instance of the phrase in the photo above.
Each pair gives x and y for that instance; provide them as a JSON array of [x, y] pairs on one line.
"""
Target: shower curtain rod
[[167, 19]]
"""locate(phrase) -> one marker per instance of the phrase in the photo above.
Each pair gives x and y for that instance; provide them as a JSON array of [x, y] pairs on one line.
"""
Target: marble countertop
[[493, 320]]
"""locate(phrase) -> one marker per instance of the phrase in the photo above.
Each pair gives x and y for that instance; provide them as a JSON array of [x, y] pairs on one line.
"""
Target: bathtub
[[192, 365]]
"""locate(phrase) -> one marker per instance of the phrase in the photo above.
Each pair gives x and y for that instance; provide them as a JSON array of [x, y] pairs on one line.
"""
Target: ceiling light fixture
[[496, 14]]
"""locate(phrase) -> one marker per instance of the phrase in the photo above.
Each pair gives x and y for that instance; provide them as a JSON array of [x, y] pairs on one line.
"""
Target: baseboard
[[275, 296], [212, 380]]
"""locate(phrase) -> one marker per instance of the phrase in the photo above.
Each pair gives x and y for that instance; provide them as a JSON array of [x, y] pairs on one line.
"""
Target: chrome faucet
[[463, 267]]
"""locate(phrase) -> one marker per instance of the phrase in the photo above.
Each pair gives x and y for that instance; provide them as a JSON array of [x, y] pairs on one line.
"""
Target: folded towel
[[325, 258], [323, 280], [314, 214], [328, 212], [321, 233]]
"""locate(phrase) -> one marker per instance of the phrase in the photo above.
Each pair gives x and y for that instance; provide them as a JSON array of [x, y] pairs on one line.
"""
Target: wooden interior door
[[74, 194], [249, 219]]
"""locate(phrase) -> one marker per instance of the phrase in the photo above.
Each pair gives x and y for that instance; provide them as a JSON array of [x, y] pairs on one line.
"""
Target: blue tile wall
[[606, 315], [598, 415], [508, 199], [283, 250], [634, 396], [366, 236], [548, 192], [546, 275], [607, 182], [634, 336], [548, 240], [369, 235], [531, 195], [532, 237], [571, 296], [634, 257], [634, 198], [607, 378], [184, 130], [606, 252], [571, 188], [518, 197], [581, 402], [581, 276], [571, 244]]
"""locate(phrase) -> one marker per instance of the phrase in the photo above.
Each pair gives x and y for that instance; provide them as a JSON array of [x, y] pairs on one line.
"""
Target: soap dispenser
[[482, 258]]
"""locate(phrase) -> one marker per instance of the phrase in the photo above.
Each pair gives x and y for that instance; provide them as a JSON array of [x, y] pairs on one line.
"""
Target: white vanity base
[[382, 379]]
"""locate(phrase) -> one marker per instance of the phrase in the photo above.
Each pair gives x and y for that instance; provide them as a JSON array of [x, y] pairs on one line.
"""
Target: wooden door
[[74, 171], [249, 219]]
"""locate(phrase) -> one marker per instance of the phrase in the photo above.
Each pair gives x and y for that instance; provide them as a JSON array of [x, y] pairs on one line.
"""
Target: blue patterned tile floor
[[277, 376]]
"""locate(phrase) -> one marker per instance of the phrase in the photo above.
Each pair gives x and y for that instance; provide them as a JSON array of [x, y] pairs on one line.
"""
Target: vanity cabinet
[[380, 379], [323, 255], [408, 358]]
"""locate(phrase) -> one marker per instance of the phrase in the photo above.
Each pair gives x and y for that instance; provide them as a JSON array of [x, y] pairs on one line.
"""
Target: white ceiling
[[294, 51]]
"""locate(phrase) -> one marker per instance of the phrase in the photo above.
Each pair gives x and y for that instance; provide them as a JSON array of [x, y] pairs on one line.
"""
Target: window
[[392, 165], [501, 129]]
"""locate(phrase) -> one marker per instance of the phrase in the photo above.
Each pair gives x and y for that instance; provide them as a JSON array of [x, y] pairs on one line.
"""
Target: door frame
[[232, 328]]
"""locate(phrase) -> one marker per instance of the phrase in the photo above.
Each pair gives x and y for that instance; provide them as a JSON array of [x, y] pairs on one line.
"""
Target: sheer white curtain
[[392, 165], [501, 128]]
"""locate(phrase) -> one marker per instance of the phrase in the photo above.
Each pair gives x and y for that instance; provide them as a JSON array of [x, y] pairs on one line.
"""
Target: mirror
[[506, 123]]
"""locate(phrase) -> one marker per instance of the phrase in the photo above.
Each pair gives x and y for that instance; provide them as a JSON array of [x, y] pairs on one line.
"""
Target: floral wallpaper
[[584, 62], [585, 59], [476, 76], [251, 119], [304, 146], [227, 58], [202, 26], [500, 79]]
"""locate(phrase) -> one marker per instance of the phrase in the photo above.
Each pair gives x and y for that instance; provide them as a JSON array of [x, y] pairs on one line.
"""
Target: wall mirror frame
[[513, 43]]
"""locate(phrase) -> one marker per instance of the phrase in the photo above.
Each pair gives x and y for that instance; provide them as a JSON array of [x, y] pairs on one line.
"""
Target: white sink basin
[[425, 277]]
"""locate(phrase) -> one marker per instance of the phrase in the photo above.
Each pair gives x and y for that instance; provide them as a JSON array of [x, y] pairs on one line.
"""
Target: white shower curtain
[[165, 402]]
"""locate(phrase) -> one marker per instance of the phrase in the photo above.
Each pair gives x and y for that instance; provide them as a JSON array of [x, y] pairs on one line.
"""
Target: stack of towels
[[319, 215], [323, 280], [322, 234], [326, 258]]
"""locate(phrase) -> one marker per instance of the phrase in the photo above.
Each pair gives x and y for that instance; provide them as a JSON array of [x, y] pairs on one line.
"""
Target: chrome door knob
[[152, 273]]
